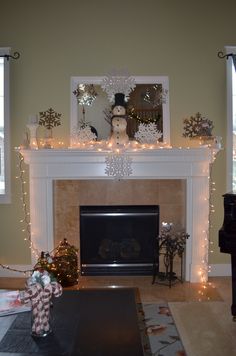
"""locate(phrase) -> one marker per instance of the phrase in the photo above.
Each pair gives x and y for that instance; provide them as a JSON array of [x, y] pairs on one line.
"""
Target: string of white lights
[[207, 244], [25, 221]]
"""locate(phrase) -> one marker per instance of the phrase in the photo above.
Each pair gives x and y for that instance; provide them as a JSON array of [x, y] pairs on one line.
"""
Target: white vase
[[33, 136]]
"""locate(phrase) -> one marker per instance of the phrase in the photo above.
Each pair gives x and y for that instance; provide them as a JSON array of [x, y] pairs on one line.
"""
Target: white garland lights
[[207, 245], [25, 221], [26, 217]]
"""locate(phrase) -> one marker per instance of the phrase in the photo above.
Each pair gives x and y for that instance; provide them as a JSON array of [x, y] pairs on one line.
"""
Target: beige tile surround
[[169, 194]]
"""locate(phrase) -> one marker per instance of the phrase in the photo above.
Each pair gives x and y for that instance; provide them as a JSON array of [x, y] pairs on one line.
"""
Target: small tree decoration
[[108, 115], [49, 119], [197, 126], [156, 96], [85, 95], [172, 242], [148, 133], [172, 239], [66, 261]]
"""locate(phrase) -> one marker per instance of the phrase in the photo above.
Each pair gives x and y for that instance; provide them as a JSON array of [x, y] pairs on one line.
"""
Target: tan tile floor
[[218, 289]]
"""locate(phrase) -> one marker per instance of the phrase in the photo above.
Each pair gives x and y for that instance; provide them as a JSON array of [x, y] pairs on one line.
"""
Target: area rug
[[206, 328], [158, 331]]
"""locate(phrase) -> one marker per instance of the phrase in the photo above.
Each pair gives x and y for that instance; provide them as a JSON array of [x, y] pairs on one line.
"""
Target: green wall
[[60, 39]]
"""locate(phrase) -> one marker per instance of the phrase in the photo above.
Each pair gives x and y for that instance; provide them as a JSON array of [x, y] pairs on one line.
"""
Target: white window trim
[[6, 198]]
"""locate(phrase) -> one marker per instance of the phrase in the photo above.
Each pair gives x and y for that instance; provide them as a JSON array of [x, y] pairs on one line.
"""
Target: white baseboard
[[220, 270], [4, 272]]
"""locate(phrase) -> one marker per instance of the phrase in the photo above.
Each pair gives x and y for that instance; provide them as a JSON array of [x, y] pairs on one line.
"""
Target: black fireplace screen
[[118, 239]]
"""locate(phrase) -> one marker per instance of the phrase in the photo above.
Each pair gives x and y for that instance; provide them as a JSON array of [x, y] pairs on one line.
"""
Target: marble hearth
[[49, 169]]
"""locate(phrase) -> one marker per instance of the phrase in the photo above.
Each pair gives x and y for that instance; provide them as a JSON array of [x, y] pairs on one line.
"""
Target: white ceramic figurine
[[119, 136]]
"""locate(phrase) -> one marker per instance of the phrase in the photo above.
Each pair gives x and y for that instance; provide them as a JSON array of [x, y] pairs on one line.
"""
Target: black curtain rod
[[227, 55], [16, 55]]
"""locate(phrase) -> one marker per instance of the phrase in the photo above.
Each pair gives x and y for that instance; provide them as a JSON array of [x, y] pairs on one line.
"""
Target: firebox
[[118, 239]]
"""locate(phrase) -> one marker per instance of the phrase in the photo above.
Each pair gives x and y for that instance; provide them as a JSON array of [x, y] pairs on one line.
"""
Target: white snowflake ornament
[[148, 133], [118, 82], [118, 165], [85, 135]]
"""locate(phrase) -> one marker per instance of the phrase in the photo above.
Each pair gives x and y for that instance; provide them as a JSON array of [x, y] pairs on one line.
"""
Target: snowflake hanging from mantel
[[148, 133], [118, 165]]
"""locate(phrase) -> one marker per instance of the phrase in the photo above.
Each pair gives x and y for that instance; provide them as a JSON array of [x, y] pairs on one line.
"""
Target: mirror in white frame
[[148, 102]]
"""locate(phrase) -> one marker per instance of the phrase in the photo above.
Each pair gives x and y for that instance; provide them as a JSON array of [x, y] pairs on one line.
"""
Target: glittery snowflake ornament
[[197, 126], [118, 165], [49, 118], [118, 82], [85, 135], [147, 133]]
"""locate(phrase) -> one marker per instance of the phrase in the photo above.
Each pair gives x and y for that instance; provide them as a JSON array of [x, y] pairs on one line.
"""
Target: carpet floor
[[206, 328]]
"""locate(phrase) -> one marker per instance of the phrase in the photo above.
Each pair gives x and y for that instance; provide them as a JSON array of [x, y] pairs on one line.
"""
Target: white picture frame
[[101, 125]]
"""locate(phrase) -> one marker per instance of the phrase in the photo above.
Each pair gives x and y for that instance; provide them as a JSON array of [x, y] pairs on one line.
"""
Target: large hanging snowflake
[[118, 82], [85, 135], [147, 133], [118, 165]]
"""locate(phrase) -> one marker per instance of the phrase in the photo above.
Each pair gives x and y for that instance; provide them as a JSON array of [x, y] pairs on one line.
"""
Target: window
[[4, 128]]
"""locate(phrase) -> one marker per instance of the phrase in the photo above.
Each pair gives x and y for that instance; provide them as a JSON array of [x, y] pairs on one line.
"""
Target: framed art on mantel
[[147, 103]]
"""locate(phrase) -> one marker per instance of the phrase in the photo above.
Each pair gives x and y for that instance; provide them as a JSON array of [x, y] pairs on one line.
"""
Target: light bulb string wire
[[26, 216], [206, 268]]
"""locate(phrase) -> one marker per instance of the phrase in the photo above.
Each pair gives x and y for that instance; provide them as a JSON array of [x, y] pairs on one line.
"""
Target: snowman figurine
[[119, 136]]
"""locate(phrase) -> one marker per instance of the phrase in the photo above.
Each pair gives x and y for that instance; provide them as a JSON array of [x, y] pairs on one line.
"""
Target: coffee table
[[87, 322]]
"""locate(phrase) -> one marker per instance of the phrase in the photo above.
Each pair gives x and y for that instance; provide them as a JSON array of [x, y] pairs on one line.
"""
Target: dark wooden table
[[88, 322]]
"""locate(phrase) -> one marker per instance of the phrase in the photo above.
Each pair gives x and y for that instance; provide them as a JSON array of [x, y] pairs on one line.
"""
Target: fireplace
[[189, 164], [118, 239]]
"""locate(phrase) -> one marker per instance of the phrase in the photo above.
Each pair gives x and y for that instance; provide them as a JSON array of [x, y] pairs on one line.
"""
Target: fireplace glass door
[[118, 240]]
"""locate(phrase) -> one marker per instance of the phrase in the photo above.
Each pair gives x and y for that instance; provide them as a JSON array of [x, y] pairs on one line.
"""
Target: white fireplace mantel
[[193, 165]]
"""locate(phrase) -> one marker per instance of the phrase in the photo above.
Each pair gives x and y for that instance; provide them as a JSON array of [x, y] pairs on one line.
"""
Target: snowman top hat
[[119, 100]]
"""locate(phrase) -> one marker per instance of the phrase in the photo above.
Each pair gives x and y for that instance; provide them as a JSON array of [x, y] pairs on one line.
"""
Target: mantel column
[[198, 228], [41, 212]]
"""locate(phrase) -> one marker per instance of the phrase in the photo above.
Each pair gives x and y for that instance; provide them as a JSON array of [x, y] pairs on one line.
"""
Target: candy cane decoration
[[40, 298]]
